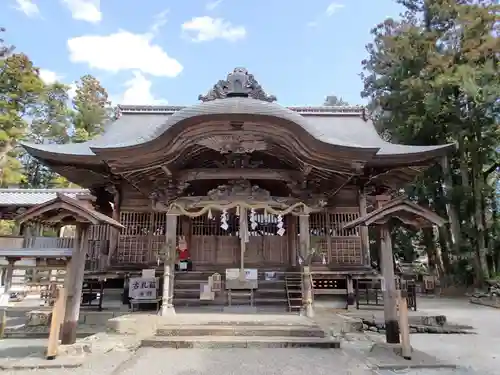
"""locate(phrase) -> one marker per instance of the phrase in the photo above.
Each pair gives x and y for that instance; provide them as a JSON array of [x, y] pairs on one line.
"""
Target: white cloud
[[211, 5], [85, 10], [159, 20], [27, 7], [333, 8], [138, 91], [204, 29], [49, 77], [123, 51], [330, 10]]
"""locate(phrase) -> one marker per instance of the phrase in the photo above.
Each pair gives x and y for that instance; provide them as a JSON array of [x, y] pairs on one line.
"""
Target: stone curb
[[398, 367], [231, 343], [42, 364], [41, 335], [484, 303]]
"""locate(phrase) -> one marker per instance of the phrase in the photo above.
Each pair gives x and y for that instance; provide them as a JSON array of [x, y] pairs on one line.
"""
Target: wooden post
[[243, 235], [4, 299], [291, 226], [55, 323], [351, 300], [404, 325], [305, 248], [365, 241], [389, 287], [74, 283], [167, 306]]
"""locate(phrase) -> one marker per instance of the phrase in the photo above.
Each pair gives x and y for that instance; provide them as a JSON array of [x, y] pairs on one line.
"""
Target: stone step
[[195, 301], [222, 342], [239, 330]]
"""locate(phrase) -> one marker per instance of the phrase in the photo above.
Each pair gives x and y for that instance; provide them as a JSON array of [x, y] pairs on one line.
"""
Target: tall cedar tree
[[433, 78]]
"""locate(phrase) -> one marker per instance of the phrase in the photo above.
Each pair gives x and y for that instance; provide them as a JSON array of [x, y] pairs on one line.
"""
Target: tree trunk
[[443, 243], [478, 215], [456, 235]]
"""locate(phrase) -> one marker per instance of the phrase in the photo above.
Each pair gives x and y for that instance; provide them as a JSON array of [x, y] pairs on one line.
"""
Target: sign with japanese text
[[142, 287]]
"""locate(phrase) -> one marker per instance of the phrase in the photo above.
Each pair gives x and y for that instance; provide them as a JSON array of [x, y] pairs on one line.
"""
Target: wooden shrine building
[[244, 181]]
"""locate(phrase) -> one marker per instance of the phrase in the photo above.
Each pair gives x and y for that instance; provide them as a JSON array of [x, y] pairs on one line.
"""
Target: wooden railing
[[49, 242], [11, 242]]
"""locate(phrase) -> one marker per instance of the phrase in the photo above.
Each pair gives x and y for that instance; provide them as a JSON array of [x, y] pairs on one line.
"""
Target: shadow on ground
[[22, 351]]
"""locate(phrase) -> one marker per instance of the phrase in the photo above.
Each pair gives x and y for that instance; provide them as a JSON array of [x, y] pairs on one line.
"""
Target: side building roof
[[31, 197]]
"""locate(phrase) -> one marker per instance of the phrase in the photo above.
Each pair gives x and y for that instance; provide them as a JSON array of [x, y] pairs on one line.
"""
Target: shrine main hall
[[239, 181]]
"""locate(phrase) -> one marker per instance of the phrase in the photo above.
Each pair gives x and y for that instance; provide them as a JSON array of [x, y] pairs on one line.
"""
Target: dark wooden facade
[[237, 145]]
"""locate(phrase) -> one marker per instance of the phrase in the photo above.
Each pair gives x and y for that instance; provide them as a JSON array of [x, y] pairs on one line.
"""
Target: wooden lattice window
[[334, 244]]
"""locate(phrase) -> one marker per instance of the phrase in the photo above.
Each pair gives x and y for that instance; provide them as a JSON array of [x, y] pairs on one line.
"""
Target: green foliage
[[20, 91], [433, 78], [91, 109], [36, 112]]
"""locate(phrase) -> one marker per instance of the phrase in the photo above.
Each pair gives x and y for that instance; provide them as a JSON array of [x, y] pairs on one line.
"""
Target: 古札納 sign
[[142, 288]]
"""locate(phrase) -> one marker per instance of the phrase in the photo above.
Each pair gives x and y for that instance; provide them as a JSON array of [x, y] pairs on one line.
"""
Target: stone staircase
[[269, 293], [239, 331]]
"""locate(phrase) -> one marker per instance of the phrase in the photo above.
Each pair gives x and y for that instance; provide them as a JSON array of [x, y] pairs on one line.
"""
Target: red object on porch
[[184, 254]]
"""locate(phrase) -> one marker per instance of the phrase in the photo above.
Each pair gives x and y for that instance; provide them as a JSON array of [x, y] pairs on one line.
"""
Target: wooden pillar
[[243, 237], [389, 287], [305, 249], [74, 283], [291, 226], [4, 299], [365, 241], [167, 307], [351, 300], [114, 234]]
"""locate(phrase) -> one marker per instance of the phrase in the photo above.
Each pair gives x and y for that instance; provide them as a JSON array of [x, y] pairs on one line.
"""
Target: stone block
[[98, 318], [74, 350], [137, 324], [37, 318]]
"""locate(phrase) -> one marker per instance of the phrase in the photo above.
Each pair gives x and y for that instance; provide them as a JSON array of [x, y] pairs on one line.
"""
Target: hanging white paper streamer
[[281, 230], [253, 220], [223, 220]]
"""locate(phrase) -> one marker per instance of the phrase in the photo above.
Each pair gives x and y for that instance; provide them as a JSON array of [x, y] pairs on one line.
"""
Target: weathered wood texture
[[334, 245], [144, 236]]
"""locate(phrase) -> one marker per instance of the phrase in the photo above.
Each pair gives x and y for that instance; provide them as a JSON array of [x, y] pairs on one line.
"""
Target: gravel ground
[[476, 354]]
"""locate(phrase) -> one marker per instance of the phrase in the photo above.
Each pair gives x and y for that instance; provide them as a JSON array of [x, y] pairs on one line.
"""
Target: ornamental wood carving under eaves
[[239, 190]]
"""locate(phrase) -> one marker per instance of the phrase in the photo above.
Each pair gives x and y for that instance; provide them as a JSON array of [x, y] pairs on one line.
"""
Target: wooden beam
[[235, 174], [167, 171]]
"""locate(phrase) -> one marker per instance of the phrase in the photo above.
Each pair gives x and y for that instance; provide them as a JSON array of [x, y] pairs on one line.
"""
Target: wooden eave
[[403, 209], [187, 132], [69, 211]]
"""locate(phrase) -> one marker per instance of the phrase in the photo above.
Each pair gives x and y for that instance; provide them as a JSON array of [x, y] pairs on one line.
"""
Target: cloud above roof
[[111, 53], [206, 29], [84, 10]]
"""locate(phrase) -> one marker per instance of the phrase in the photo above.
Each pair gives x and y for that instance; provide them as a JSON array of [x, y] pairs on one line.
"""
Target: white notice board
[[142, 287]]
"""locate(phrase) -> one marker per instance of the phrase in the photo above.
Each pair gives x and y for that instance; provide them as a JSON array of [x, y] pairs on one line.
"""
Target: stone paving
[[475, 354]]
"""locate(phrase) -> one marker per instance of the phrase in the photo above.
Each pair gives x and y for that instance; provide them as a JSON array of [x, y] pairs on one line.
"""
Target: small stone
[[373, 329], [38, 318], [77, 349], [365, 327]]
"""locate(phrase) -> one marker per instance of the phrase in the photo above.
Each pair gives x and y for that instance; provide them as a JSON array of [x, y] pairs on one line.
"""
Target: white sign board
[[251, 274], [148, 273], [142, 288]]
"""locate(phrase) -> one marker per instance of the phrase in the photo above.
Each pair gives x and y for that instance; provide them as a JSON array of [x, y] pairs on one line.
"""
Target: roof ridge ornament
[[239, 83]]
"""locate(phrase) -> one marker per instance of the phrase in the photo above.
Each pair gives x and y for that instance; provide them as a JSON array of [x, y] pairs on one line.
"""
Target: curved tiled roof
[[337, 126]]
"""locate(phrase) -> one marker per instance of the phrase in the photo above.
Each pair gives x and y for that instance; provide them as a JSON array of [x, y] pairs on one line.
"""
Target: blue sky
[[158, 51]]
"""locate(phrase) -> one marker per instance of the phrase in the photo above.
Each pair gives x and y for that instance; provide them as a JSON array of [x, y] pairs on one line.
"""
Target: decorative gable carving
[[239, 83]]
